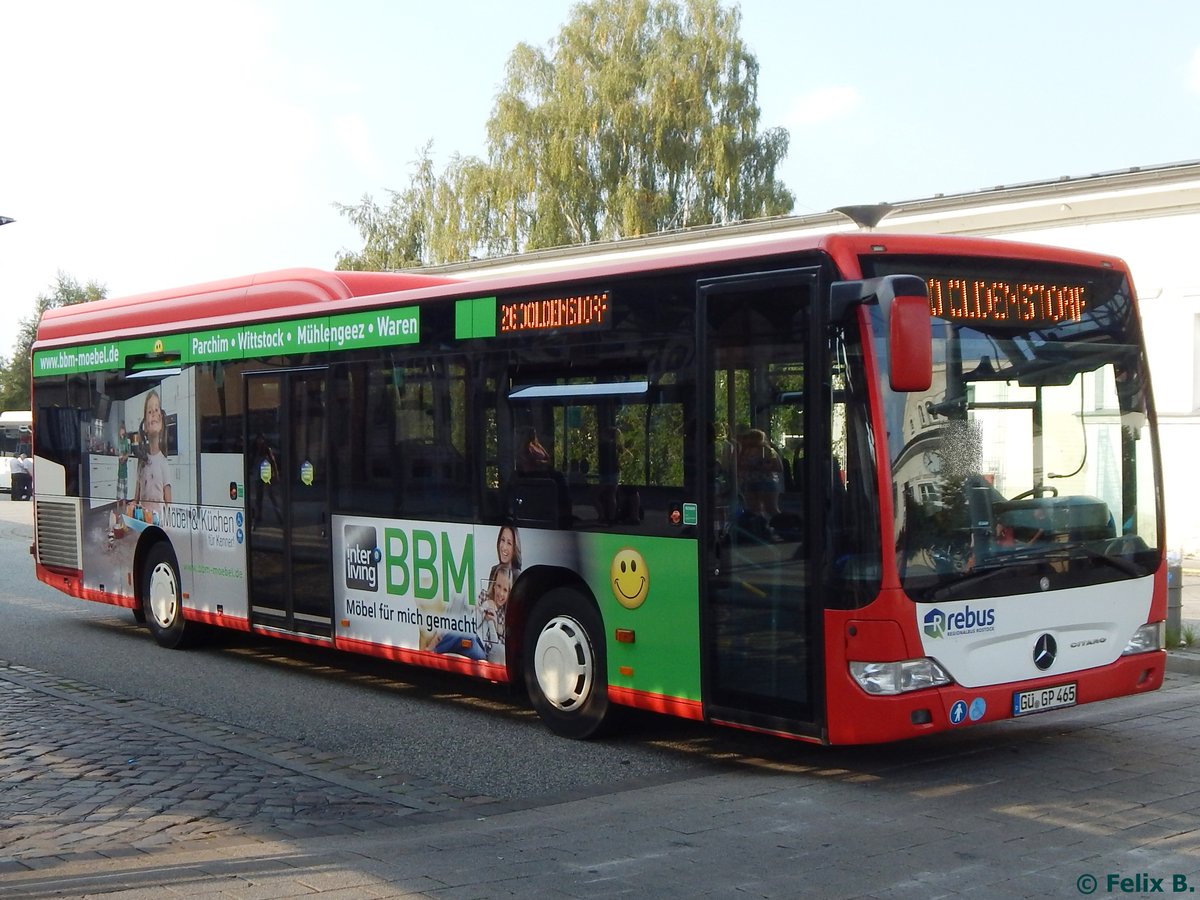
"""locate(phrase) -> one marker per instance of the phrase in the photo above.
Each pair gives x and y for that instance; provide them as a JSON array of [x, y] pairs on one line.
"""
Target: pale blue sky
[[151, 144]]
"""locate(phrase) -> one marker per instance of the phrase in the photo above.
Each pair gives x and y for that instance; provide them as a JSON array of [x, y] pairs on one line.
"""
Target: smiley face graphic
[[630, 578]]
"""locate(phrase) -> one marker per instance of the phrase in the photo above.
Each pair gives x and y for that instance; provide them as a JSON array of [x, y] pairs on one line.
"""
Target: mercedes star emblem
[[1044, 652]]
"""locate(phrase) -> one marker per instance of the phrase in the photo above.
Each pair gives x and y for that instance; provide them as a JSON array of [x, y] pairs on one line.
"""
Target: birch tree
[[15, 370], [640, 116]]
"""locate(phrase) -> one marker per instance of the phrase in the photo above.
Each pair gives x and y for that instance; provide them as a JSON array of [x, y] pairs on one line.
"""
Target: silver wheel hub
[[164, 595], [564, 663]]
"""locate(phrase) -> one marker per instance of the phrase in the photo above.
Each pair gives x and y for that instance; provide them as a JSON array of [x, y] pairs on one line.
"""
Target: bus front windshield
[[1029, 464]]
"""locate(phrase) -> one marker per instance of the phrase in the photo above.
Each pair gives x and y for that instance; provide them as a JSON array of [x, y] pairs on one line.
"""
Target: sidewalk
[[1190, 596], [97, 798], [1186, 659]]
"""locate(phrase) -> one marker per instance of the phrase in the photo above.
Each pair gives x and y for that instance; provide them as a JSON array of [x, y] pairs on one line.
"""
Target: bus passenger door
[[761, 620], [287, 501]]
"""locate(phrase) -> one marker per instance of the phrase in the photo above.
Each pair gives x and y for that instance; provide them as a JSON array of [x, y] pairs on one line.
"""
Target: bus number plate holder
[[1042, 699]]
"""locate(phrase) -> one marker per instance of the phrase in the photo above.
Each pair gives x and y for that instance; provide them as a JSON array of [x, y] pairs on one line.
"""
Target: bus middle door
[[287, 485], [762, 624]]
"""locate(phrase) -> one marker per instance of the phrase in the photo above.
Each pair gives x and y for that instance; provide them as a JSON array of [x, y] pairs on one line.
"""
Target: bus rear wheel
[[564, 668], [161, 601]]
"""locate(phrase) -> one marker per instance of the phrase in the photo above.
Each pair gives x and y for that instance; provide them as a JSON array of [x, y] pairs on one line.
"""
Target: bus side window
[[538, 492]]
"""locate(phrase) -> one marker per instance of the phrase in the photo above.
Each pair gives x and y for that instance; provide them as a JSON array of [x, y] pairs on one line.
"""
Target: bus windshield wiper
[[987, 572], [1001, 562], [1117, 562]]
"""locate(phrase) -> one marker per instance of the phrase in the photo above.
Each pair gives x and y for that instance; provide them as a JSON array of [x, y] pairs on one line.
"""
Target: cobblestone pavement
[[104, 796], [87, 776]]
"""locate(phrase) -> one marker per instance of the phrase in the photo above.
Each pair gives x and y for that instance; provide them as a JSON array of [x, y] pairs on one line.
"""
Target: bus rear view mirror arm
[[904, 301]]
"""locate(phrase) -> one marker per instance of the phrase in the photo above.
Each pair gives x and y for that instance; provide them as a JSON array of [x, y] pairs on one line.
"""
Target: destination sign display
[[579, 312], [1001, 301], [1020, 293]]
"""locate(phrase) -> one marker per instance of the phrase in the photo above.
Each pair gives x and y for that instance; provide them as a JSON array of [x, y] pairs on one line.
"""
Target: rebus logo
[[938, 624], [935, 623], [362, 557]]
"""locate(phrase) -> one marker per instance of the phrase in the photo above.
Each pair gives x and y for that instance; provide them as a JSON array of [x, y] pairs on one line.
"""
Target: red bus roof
[[307, 292], [233, 298]]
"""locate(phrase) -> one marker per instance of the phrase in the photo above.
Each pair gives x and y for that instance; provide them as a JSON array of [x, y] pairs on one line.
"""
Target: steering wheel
[[1040, 492], [1125, 545]]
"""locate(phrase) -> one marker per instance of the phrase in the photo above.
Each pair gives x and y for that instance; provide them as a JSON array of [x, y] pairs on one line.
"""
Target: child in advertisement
[[491, 611], [487, 641]]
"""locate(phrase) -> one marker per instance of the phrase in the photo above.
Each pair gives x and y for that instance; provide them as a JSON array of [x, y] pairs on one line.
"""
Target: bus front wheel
[[161, 601], [564, 667]]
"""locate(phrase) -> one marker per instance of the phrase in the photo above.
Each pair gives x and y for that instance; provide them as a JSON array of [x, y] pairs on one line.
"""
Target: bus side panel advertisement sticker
[[139, 465], [444, 588], [440, 588]]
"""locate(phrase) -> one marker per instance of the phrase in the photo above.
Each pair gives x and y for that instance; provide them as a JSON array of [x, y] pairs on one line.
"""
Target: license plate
[[1026, 702]]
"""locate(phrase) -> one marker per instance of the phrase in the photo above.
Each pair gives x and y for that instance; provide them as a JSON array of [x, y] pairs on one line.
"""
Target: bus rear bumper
[[70, 582]]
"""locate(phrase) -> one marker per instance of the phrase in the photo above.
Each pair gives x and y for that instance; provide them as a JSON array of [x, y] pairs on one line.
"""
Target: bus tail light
[[899, 677], [1151, 636]]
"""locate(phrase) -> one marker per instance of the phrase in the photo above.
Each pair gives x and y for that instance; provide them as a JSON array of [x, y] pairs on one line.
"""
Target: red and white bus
[[845, 488]]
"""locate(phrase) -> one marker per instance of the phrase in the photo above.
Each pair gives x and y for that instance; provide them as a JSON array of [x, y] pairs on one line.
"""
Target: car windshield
[[1029, 463]]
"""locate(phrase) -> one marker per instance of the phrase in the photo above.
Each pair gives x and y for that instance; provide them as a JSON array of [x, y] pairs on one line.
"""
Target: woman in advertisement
[[154, 472]]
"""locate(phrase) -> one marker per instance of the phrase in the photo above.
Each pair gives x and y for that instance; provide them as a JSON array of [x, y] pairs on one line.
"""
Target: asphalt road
[[478, 738]]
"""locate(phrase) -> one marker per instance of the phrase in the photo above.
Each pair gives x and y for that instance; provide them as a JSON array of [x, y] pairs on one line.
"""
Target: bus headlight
[[899, 677], [1151, 636]]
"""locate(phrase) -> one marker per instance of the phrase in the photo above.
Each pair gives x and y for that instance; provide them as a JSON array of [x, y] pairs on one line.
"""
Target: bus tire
[[565, 666], [161, 601]]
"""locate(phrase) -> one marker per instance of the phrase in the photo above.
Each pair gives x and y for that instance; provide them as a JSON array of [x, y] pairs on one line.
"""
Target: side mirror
[[910, 343], [904, 302]]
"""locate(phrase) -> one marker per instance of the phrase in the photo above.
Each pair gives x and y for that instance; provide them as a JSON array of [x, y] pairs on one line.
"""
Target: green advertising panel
[[475, 318], [351, 331], [650, 586], [78, 359]]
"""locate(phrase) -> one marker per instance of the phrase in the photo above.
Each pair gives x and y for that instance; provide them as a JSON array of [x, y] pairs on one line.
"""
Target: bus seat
[[538, 501], [1077, 518]]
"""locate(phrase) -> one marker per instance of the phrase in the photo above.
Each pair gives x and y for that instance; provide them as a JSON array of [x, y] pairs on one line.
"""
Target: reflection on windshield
[[1028, 459]]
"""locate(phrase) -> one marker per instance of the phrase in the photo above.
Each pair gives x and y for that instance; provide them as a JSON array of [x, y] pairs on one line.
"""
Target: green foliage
[[15, 370], [436, 218], [641, 116]]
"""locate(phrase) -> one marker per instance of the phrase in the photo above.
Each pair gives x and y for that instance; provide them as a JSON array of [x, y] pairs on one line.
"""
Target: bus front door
[[287, 498], [761, 626]]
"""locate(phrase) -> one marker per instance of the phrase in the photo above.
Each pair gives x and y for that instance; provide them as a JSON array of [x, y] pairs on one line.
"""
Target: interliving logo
[[362, 557], [939, 624]]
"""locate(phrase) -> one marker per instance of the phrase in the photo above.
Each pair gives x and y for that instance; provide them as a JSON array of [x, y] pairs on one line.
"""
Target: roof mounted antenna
[[867, 215]]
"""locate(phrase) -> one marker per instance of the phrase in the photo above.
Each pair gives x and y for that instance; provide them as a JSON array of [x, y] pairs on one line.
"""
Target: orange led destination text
[[584, 311], [1002, 301]]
